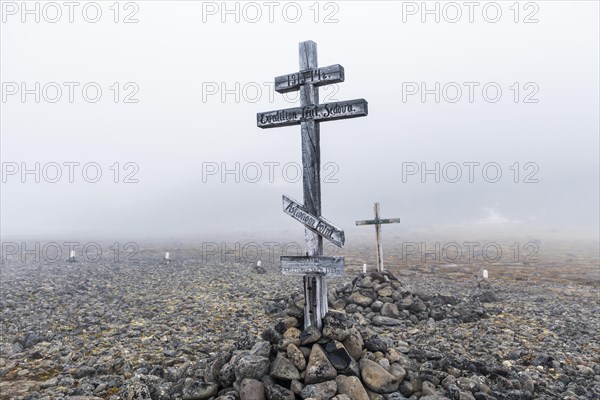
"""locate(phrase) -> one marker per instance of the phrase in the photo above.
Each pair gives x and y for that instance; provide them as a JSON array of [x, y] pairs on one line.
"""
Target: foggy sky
[[177, 130]]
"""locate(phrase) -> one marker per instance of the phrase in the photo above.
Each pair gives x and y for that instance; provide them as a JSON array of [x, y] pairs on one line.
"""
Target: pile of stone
[[342, 361], [379, 299], [335, 362]]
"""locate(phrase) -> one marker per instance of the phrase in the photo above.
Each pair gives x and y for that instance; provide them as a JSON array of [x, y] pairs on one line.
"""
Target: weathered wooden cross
[[314, 267], [378, 222]]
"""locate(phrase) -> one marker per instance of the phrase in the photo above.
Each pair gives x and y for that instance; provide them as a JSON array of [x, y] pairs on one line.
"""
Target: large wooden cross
[[378, 222], [314, 267]]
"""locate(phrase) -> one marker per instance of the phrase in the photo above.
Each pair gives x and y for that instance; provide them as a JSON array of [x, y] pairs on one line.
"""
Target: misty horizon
[[163, 157]]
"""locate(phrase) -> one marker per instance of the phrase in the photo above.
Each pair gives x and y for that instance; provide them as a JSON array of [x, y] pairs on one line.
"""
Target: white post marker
[[72, 256], [167, 255], [485, 274], [364, 268], [258, 263]]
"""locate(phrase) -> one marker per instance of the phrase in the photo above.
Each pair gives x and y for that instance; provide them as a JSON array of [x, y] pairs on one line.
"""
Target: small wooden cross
[[378, 222]]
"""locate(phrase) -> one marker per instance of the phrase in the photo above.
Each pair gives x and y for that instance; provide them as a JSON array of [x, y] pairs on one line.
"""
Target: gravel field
[[92, 330]]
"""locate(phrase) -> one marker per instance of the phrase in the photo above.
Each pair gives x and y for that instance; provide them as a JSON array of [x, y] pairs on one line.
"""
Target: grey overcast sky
[[489, 88]]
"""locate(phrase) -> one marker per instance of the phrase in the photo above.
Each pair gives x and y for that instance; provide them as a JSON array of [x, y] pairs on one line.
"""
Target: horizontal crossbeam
[[379, 221], [317, 77], [320, 112]]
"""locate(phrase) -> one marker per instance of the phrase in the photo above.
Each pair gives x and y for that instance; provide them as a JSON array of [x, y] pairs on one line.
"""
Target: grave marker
[[378, 222], [309, 116]]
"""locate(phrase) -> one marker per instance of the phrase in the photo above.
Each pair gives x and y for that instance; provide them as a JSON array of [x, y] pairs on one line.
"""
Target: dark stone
[[31, 339], [310, 335], [447, 298], [511, 395], [276, 392], [336, 326], [338, 355], [541, 359], [377, 276], [379, 343], [487, 296], [84, 371], [199, 391], [271, 335]]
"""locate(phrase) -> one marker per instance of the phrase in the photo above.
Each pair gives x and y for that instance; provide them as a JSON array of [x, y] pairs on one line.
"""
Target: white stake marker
[[485, 274], [167, 255], [364, 268], [258, 263]]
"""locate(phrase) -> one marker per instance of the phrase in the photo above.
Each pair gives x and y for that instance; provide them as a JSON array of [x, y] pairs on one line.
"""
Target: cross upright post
[[378, 239], [315, 287]]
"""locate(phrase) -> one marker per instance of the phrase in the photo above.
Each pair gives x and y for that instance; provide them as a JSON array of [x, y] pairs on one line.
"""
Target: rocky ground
[[198, 328]]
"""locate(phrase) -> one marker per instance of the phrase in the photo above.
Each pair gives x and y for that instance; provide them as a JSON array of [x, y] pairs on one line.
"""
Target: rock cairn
[[379, 299], [350, 358]]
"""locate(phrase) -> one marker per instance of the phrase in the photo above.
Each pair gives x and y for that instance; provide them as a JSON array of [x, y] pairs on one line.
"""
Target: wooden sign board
[[319, 225], [379, 221], [317, 77], [312, 265], [318, 112]]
